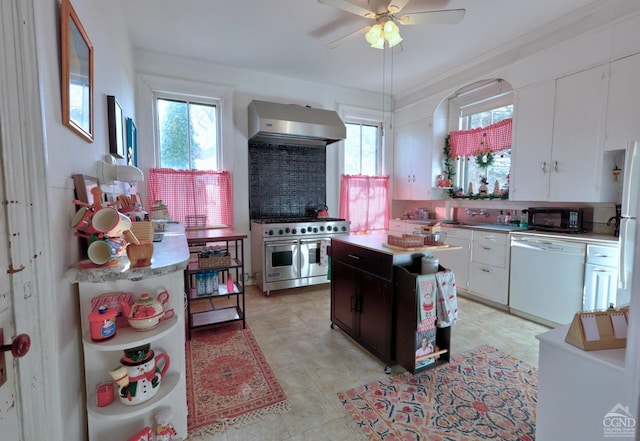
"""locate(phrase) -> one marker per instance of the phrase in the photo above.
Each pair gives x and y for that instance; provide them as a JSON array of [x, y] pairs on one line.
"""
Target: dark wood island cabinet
[[364, 301]]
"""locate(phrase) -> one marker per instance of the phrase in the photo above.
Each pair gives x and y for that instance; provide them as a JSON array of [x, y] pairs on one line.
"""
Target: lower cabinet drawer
[[489, 254], [363, 259], [489, 282]]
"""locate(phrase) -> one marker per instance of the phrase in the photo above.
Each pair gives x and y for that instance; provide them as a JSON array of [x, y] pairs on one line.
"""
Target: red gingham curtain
[[193, 192], [364, 200], [494, 138]]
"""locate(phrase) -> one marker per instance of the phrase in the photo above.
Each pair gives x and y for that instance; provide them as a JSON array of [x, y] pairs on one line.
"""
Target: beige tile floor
[[314, 362]]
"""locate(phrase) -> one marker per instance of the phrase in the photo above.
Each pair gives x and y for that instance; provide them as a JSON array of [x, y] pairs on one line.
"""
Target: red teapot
[[147, 312]]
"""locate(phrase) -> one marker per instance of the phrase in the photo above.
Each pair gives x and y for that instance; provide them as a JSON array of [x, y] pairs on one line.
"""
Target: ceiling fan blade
[[449, 16], [397, 5], [339, 41], [349, 7]]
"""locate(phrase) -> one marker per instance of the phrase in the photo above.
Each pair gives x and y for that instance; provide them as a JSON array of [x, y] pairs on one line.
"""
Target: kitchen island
[[364, 302]]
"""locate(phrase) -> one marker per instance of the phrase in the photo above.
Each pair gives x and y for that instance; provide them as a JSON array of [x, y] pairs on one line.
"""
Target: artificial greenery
[[449, 166], [484, 159]]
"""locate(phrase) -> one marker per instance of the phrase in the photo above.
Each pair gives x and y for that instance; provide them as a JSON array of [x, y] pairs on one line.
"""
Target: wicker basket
[[434, 239], [214, 261], [406, 241]]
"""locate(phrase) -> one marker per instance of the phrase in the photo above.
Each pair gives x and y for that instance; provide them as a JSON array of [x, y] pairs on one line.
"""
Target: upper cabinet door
[[623, 107], [577, 153], [532, 139], [412, 162]]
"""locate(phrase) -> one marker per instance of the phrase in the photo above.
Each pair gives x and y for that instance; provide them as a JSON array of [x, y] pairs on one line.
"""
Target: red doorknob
[[19, 347]]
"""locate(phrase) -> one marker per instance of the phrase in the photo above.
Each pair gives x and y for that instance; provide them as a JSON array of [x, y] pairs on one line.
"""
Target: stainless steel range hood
[[294, 124]]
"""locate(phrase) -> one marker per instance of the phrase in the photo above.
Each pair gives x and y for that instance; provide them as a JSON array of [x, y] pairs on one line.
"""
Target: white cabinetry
[[578, 137], [116, 420], [489, 270], [568, 166], [412, 162], [600, 277], [623, 105], [533, 135], [457, 260]]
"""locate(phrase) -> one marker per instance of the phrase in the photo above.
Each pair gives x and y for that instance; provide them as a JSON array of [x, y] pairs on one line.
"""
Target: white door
[[9, 426]]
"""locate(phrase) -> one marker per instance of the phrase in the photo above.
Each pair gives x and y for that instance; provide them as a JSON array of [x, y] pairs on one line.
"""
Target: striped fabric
[[189, 193]]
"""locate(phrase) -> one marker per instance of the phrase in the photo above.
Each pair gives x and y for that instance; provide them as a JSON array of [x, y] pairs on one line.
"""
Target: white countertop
[[169, 255], [614, 358], [378, 242]]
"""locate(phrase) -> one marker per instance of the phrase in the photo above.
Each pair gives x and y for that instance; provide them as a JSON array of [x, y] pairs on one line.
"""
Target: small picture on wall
[[132, 143]]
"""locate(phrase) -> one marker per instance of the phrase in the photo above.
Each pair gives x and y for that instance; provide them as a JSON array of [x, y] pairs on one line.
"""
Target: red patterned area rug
[[481, 394], [228, 381]]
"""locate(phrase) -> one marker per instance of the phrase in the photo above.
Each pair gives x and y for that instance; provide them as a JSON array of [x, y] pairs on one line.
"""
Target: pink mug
[[82, 221], [110, 221]]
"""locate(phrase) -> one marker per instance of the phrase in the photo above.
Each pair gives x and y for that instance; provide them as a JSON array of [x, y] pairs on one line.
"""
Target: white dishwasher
[[546, 279]]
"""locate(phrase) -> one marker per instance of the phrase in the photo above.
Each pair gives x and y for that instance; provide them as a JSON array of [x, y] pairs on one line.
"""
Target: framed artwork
[[83, 185], [116, 127], [132, 143], [76, 53]]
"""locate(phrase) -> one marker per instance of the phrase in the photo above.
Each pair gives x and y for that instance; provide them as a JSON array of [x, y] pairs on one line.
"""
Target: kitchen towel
[[447, 299], [324, 260]]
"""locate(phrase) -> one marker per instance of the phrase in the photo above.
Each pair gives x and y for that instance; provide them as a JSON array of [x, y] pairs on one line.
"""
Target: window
[[188, 134], [469, 170], [364, 194], [188, 177], [362, 146]]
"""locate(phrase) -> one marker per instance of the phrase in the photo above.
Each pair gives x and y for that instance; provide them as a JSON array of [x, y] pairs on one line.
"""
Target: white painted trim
[[24, 168]]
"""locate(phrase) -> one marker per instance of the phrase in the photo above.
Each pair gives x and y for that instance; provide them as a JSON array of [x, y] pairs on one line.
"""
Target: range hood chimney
[[294, 124]]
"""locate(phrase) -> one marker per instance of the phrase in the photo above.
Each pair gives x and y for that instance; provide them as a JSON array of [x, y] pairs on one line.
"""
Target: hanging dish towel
[[324, 258], [447, 299], [426, 287]]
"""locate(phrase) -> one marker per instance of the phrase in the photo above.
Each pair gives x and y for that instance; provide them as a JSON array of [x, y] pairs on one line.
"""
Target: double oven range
[[290, 252]]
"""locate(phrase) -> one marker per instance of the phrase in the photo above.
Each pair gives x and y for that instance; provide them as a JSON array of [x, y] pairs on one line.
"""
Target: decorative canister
[[102, 323]]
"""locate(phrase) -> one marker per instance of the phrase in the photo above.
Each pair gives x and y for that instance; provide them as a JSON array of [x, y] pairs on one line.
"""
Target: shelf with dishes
[[128, 337]]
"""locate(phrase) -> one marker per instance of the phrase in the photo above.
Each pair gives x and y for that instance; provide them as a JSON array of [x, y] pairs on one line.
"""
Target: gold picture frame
[[76, 53]]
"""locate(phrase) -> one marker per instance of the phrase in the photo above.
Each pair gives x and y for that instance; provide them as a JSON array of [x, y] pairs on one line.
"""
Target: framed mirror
[[77, 73]]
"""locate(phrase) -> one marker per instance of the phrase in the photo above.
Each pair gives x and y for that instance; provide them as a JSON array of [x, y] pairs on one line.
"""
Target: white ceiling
[[288, 37]]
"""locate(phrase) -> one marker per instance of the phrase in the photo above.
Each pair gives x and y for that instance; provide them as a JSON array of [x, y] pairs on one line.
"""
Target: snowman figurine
[[164, 429], [138, 378]]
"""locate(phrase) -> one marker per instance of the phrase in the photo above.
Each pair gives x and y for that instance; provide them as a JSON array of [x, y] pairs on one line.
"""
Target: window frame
[[358, 115], [483, 96], [378, 151], [188, 99]]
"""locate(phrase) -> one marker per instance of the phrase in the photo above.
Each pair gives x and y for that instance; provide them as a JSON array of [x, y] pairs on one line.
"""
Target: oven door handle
[[280, 243]]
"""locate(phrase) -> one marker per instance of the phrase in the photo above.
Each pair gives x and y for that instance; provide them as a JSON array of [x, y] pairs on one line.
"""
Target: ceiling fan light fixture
[[395, 40], [390, 29], [379, 44], [374, 34]]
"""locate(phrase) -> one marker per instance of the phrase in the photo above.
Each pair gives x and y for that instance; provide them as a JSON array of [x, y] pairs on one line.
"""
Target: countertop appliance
[[547, 279], [294, 124], [561, 220], [291, 252], [628, 221]]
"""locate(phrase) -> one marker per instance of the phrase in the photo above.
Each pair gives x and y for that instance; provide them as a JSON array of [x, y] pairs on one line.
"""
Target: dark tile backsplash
[[285, 180]]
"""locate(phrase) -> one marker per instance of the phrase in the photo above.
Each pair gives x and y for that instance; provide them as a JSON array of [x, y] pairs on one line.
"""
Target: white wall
[[66, 155], [193, 76]]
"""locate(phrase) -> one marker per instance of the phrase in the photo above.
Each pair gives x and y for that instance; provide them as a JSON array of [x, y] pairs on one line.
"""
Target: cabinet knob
[[555, 166], [543, 166]]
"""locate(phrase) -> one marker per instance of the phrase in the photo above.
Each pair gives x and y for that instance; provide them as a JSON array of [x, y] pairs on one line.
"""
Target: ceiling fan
[[385, 14]]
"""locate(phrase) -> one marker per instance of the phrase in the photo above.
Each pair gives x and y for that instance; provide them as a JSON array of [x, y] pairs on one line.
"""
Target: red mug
[[104, 393]]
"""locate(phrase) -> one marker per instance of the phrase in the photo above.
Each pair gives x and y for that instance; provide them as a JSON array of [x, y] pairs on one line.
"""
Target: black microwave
[[562, 220]]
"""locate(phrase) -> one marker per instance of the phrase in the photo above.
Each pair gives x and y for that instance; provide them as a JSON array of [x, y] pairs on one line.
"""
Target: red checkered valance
[[193, 193], [493, 138]]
